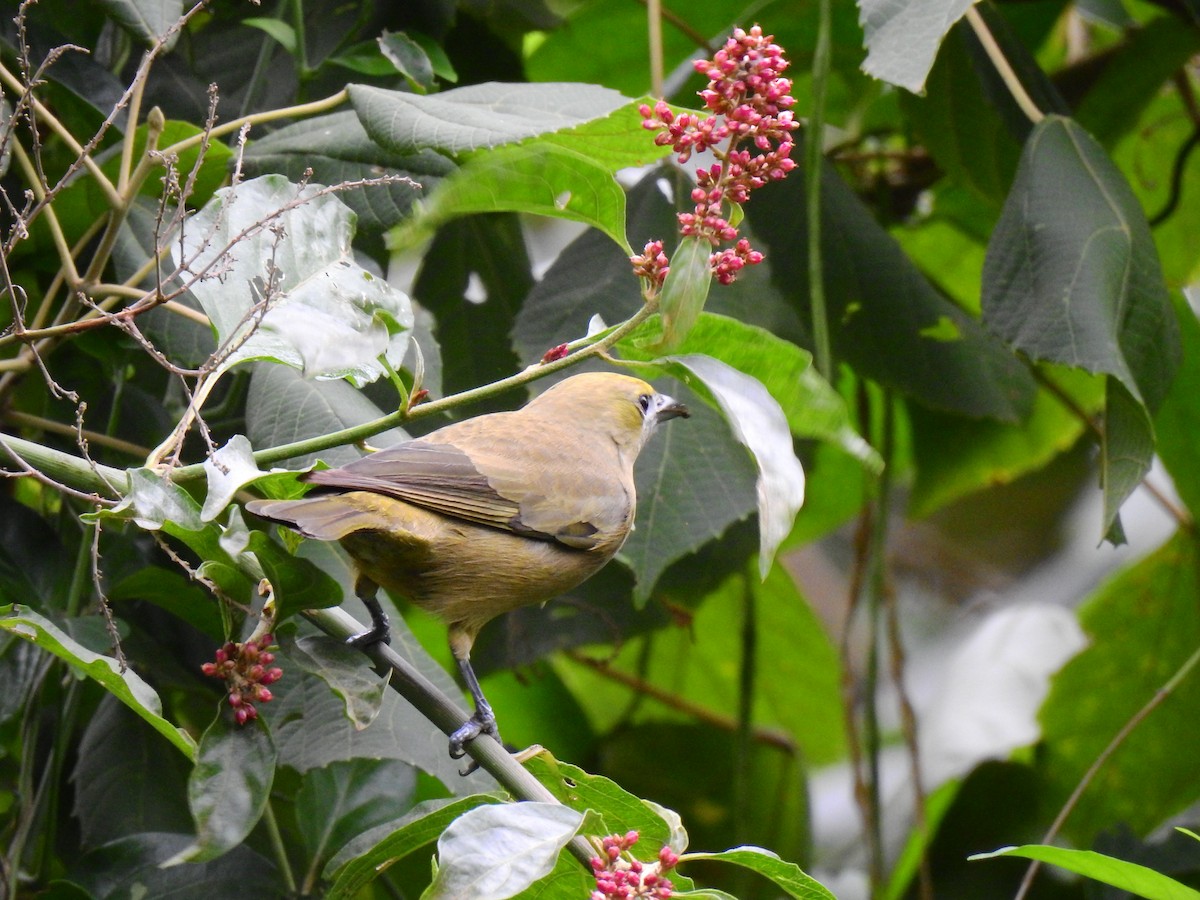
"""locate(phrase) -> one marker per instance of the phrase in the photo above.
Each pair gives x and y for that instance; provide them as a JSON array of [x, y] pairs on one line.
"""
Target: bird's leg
[[381, 630], [484, 720]]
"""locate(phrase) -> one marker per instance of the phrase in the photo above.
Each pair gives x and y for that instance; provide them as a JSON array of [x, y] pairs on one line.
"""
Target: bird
[[488, 514]]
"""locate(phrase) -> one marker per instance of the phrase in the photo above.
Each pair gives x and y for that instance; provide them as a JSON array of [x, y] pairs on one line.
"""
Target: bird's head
[[626, 409]]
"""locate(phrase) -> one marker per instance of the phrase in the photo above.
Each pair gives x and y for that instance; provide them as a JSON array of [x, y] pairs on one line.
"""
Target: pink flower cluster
[[651, 264], [618, 878], [750, 103], [244, 667]]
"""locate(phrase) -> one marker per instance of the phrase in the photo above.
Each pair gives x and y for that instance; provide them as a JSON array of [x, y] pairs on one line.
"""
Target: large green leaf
[[493, 852], [327, 316], [341, 801], [540, 178], [478, 116], [147, 19], [1178, 421], [886, 319], [785, 875], [125, 684], [1138, 880], [474, 278], [369, 854], [113, 798], [337, 148], [759, 424], [902, 39], [956, 456], [229, 787], [1143, 624], [960, 129], [1072, 277], [618, 810]]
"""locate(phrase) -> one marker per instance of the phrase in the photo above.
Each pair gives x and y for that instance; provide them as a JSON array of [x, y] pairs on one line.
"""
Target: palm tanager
[[488, 514]]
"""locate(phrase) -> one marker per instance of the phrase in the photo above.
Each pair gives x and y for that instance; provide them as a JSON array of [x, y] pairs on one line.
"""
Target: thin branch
[[54, 427], [813, 160], [446, 715]]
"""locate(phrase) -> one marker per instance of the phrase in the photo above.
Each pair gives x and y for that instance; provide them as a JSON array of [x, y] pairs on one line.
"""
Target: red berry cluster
[[244, 667], [618, 878], [750, 101]]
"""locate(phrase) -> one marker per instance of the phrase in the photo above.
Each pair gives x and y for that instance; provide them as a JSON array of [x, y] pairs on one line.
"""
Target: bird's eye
[[644, 403]]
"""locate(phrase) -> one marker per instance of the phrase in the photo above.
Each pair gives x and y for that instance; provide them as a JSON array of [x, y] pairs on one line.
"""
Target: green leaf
[[684, 291], [283, 407], [956, 456], [370, 854], [328, 317], [1177, 424], [902, 39], [615, 141], [126, 686], [297, 584], [759, 424], [473, 279], [881, 308], [1126, 876], [344, 800], [345, 670], [1143, 625], [493, 852], [961, 130], [1133, 74], [409, 58], [1072, 277], [478, 116], [812, 407], [281, 31], [337, 149], [229, 787], [147, 19], [228, 469], [540, 178], [785, 875], [113, 796], [619, 810], [138, 858]]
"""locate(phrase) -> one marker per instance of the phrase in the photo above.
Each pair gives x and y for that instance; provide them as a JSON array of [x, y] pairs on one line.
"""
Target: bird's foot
[[370, 637], [380, 631], [482, 722]]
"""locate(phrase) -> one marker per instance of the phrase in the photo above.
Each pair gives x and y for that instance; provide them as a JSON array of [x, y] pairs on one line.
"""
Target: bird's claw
[[482, 722]]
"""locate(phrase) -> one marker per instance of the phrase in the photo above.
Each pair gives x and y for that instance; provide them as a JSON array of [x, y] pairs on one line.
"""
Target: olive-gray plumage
[[492, 513]]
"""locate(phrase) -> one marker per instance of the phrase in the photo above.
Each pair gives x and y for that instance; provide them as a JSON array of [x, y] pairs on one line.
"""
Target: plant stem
[[278, 848], [297, 111], [654, 22], [1003, 69], [813, 160]]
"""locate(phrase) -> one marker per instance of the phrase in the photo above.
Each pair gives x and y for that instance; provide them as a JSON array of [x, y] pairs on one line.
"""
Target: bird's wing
[[443, 478]]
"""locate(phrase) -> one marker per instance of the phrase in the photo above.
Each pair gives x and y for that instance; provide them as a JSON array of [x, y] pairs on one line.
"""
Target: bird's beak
[[668, 408]]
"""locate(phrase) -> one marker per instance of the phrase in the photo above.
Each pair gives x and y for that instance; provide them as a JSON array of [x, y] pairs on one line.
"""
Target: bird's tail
[[327, 517]]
